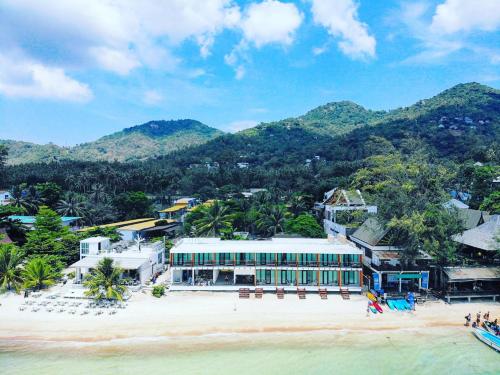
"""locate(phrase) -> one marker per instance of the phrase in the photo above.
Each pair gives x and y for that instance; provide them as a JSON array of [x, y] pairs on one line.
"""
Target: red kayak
[[377, 306]]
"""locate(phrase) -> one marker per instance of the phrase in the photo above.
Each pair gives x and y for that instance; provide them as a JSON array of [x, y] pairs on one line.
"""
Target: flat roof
[[32, 219], [472, 273], [176, 207], [95, 239], [125, 263], [117, 224], [140, 226], [275, 245]]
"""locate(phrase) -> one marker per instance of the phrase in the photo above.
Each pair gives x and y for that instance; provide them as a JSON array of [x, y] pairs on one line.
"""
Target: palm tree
[[98, 193], [71, 205], [105, 281], [22, 199], [215, 218], [10, 268], [38, 274], [272, 219]]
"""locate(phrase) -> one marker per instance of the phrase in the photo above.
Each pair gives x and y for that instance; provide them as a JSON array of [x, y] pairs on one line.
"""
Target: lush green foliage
[[136, 143], [305, 225], [11, 258], [158, 291], [38, 274], [104, 282]]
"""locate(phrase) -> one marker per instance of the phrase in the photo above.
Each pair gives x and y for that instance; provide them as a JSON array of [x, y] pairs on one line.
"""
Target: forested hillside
[[455, 128], [139, 142]]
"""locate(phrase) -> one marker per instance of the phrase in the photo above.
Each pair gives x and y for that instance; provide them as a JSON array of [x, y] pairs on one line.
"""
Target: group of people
[[486, 321]]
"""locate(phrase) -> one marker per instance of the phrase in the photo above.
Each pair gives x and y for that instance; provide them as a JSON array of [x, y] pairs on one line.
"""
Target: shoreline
[[207, 316]]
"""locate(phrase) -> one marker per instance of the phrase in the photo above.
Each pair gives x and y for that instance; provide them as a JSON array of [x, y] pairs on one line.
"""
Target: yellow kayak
[[371, 297]]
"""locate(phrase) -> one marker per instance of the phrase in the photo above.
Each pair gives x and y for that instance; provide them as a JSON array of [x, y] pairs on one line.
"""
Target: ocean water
[[452, 351]]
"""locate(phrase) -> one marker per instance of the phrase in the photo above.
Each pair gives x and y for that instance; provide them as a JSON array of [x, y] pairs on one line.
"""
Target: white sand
[[201, 313]]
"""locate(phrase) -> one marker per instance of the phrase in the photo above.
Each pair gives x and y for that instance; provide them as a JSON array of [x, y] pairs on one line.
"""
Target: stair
[[301, 292], [259, 292], [323, 293], [244, 293], [280, 292], [345, 293]]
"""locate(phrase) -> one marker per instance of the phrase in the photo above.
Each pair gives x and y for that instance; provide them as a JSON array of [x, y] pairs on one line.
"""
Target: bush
[[158, 291]]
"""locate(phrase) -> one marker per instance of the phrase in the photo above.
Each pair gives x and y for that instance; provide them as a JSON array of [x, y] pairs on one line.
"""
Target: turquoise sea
[[452, 351]]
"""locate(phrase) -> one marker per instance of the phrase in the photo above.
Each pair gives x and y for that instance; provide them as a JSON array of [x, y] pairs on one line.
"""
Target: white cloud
[[117, 61], [443, 32], [466, 15], [340, 18], [115, 35], [269, 22], [239, 125], [152, 97], [29, 79]]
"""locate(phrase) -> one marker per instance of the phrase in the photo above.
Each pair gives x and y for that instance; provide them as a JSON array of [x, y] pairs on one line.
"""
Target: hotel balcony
[[253, 263]]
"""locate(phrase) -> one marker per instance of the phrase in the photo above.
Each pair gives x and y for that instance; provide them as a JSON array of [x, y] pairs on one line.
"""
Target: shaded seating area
[[471, 282]]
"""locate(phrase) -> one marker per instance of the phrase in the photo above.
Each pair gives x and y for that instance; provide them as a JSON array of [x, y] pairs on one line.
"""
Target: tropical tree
[[215, 219], [305, 225], [21, 199], [10, 267], [272, 219], [39, 274], [104, 282], [71, 205]]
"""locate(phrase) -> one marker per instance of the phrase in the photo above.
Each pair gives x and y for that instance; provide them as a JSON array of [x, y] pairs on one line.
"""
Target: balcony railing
[[258, 263]]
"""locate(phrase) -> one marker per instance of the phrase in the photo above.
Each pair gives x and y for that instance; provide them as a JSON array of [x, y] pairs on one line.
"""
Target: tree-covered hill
[[131, 144], [459, 126]]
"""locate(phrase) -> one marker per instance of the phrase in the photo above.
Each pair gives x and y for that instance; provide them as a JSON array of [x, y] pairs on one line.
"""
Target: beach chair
[[280, 293], [323, 293], [345, 293], [244, 293], [259, 292], [301, 292]]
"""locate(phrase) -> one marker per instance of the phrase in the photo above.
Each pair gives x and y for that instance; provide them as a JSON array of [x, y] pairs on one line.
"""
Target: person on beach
[[478, 318], [368, 309], [487, 316], [467, 320], [474, 325]]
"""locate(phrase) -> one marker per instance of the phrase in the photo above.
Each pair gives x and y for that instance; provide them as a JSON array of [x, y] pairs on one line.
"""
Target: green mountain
[[330, 119], [140, 142], [310, 153]]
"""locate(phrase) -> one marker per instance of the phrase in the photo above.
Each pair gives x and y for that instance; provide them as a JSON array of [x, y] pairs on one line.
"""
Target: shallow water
[[452, 351]]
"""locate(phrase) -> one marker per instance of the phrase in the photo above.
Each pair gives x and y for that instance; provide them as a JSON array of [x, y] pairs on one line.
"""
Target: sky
[[73, 71]]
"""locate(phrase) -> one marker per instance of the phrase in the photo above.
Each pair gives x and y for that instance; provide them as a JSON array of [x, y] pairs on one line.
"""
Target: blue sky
[[73, 71]]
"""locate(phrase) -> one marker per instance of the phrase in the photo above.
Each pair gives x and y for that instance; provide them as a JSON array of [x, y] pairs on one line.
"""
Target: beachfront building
[[144, 228], [289, 263], [29, 221], [179, 209], [139, 260], [343, 211], [479, 274], [382, 261]]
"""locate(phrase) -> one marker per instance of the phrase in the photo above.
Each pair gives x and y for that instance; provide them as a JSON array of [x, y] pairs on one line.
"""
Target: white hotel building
[[289, 263]]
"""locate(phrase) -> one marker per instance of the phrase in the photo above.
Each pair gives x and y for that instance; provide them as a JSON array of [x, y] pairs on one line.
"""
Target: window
[[84, 248]]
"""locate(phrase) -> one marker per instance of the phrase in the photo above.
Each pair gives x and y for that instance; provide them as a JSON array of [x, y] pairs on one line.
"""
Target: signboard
[[408, 276], [376, 281], [425, 280]]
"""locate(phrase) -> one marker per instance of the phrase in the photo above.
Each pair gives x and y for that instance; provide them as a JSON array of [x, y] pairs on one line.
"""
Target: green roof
[[371, 232], [472, 218]]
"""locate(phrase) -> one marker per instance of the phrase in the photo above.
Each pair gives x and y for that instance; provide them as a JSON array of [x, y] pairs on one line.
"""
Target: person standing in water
[[467, 320]]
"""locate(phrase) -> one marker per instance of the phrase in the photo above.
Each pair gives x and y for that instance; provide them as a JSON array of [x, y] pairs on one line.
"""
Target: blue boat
[[488, 338], [390, 303]]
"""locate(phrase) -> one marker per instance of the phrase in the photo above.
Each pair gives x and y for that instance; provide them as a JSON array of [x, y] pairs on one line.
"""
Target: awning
[[124, 263]]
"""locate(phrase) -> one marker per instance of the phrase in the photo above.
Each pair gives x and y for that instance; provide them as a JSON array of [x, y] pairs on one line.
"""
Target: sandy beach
[[192, 314]]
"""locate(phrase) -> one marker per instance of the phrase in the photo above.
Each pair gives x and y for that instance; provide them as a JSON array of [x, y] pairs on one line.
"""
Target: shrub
[[158, 291]]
